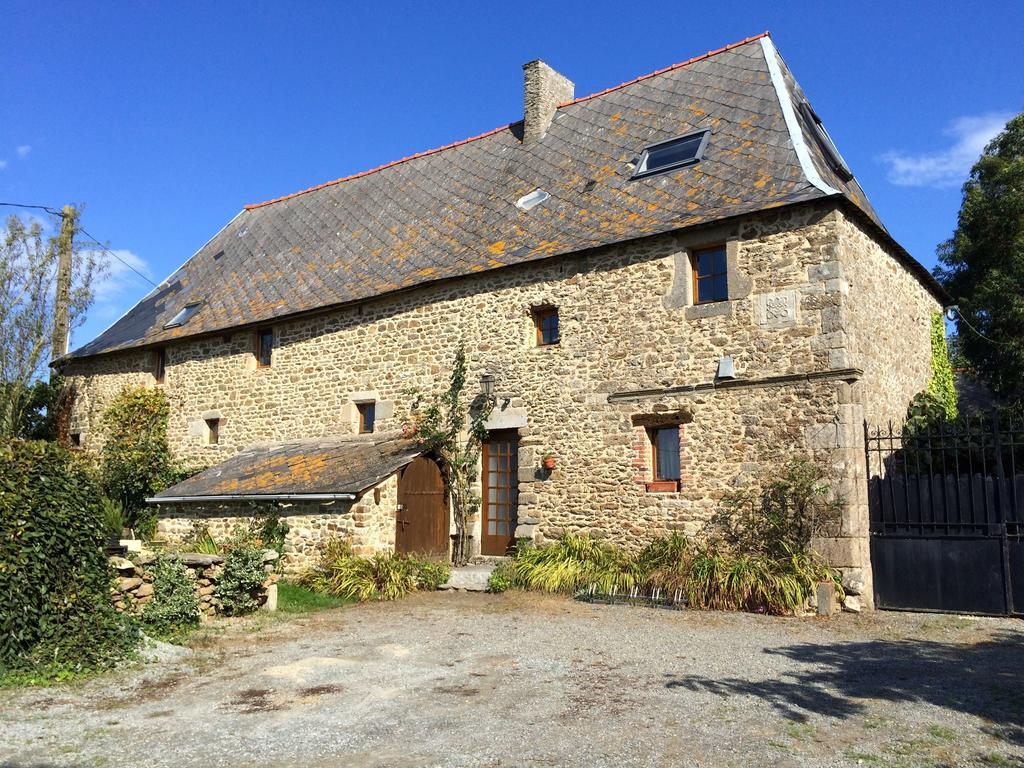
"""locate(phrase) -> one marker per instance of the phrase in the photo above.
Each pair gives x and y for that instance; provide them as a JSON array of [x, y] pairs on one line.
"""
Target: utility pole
[[61, 305]]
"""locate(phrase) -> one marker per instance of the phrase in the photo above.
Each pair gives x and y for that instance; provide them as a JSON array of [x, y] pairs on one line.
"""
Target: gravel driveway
[[456, 679]]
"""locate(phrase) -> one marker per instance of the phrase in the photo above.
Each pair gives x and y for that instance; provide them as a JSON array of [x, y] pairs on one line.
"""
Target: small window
[[710, 275], [545, 320], [184, 315], [665, 447], [160, 365], [264, 347], [367, 416], [76, 439], [670, 154], [835, 160], [212, 431]]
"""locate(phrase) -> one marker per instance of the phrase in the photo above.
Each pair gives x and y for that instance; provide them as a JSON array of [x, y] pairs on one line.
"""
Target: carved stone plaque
[[776, 310]]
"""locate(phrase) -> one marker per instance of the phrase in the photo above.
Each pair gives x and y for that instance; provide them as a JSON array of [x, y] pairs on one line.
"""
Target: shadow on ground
[[984, 679]]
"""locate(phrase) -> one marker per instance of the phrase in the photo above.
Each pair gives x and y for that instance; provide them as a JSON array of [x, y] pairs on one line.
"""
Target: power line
[[95, 241], [106, 250], [49, 209], [967, 322]]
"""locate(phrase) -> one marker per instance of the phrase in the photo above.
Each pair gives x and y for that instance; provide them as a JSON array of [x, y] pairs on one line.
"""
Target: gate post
[[849, 552]]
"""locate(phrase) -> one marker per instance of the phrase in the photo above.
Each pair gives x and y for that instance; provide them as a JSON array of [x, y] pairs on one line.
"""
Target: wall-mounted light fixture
[[487, 385]]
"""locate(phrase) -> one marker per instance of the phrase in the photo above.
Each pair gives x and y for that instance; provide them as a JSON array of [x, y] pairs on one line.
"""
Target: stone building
[[670, 285]]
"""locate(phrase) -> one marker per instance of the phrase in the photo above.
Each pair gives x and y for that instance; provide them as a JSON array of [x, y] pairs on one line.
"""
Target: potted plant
[[113, 522], [548, 461]]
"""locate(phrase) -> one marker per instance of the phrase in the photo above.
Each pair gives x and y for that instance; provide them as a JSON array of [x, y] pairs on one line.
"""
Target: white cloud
[[23, 150], [3, 164], [120, 283], [947, 167]]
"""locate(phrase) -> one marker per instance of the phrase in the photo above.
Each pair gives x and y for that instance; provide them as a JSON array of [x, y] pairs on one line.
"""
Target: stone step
[[472, 578]]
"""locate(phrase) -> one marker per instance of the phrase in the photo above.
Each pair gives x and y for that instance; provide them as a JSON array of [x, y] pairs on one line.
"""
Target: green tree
[[982, 265], [136, 460], [28, 275]]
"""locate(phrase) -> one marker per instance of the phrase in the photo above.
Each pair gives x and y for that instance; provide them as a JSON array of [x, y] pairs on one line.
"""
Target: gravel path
[[456, 679]]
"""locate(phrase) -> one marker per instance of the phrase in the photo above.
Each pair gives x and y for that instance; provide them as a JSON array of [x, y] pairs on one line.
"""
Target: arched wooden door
[[422, 519]]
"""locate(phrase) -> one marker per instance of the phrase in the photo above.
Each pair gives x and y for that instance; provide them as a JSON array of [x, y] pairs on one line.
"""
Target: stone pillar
[[850, 550], [543, 90]]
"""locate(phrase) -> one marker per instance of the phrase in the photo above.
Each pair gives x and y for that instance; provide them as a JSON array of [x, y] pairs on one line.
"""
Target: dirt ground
[[456, 679]]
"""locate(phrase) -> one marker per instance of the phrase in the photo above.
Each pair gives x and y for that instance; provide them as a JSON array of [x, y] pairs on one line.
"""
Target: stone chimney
[[543, 90]]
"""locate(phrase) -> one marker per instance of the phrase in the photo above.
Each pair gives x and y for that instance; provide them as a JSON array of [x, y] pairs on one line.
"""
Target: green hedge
[[57, 619]]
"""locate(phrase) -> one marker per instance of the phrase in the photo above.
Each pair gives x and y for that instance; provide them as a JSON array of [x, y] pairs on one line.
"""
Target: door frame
[[492, 545]]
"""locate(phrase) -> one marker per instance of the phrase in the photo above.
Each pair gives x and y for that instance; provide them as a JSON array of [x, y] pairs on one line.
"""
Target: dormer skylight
[[184, 315], [671, 154], [532, 200], [832, 156]]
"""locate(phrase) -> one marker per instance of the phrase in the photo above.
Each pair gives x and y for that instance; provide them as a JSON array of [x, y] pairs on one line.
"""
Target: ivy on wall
[[941, 386], [937, 402]]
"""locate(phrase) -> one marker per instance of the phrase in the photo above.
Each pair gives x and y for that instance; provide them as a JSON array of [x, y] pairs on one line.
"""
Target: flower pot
[[549, 463]]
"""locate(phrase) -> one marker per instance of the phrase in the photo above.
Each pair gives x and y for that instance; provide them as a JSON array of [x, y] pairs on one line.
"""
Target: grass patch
[[941, 732], [799, 731], [293, 598], [996, 759]]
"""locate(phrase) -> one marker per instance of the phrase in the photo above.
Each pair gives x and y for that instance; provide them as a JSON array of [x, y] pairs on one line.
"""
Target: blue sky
[[164, 119]]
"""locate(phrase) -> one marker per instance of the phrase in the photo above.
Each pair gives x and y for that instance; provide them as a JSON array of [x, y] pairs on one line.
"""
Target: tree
[[455, 440], [982, 265], [28, 277]]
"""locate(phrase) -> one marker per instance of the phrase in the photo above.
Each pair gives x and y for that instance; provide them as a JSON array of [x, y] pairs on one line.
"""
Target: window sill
[[662, 486], [710, 309]]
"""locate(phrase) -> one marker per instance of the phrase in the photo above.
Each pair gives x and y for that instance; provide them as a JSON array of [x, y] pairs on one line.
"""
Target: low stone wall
[[134, 585]]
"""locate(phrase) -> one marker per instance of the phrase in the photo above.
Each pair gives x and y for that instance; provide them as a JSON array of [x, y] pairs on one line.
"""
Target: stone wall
[[627, 326], [368, 523], [134, 586], [887, 320]]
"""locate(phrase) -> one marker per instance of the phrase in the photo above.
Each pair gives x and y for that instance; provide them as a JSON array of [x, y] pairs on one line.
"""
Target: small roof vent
[[532, 200]]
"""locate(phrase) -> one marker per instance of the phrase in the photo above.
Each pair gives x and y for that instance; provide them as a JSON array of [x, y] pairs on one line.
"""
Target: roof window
[[671, 154], [184, 315], [835, 160], [532, 200]]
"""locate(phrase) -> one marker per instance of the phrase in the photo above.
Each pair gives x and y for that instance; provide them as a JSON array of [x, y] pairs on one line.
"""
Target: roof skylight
[[184, 315], [532, 200], [672, 154], [835, 160]]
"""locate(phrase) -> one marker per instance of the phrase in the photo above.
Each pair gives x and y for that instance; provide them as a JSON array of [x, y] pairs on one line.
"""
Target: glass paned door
[[500, 492]]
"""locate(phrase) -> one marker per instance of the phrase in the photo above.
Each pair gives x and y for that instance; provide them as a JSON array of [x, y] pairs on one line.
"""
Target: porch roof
[[320, 468]]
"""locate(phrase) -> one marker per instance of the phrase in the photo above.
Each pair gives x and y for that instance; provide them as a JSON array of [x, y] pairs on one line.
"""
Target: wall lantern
[[487, 385]]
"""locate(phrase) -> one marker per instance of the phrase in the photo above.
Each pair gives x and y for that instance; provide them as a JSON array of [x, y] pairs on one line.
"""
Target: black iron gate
[[947, 515]]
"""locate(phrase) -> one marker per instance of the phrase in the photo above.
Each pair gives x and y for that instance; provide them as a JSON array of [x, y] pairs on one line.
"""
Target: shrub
[[241, 581], [136, 461], [113, 517], [58, 619], [174, 606], [781, 513], [430, 574], [200, 541], [501, 579], [383, 576], [572, 563]]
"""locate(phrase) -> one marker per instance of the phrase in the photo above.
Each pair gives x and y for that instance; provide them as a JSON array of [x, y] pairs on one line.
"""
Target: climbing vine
[[941, 385], [453, 434], [937, 401]]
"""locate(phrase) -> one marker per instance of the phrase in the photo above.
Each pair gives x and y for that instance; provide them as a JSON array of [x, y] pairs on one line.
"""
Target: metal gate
[[947, 523]]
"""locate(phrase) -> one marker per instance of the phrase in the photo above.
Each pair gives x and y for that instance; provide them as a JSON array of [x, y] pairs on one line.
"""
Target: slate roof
[[323, 465], [451, 212]]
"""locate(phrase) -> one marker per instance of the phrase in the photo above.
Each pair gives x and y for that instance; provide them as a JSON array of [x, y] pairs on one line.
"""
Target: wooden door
[[500, 492], [422, 519]]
